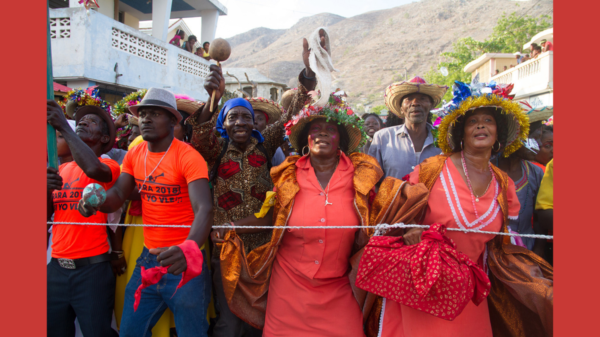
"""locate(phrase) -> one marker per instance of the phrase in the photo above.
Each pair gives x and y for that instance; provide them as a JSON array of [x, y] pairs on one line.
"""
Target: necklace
[[157, 165], [474, 197], [328, 184]]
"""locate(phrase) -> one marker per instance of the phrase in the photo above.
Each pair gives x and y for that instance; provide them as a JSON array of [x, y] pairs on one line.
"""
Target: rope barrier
[[380, 228]]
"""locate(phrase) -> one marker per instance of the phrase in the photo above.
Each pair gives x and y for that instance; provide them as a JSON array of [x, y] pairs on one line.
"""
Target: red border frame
[[23, 168], [24, 238]]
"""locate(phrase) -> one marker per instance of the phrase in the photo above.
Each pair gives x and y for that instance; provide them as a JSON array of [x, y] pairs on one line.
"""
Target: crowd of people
[[147, 261], [189, 45]]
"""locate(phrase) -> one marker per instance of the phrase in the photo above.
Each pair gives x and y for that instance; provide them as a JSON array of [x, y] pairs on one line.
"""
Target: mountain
[[377, 48]]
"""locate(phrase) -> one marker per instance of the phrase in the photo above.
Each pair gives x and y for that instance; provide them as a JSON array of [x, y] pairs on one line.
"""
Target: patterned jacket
[[243, 177]]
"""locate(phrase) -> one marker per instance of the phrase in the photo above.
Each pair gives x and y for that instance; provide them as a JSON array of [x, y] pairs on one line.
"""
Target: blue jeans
[[189, 304]]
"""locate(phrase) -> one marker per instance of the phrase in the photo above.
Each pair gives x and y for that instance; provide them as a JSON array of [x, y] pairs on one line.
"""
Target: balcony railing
[[97, 48], [531, 77]]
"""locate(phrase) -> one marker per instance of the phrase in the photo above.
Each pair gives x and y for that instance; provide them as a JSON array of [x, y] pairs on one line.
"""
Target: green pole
[[51, 133]]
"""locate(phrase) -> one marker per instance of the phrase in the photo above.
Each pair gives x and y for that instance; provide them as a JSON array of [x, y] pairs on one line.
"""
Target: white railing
[[138, 46], [95, 48], [60, 28], [530, 77]]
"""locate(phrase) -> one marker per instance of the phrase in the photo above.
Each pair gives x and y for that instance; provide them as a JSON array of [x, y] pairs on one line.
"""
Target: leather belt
[[78, 263]]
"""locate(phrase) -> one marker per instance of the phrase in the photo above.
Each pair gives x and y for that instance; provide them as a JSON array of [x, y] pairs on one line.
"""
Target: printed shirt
[[243, 178], [527, 189], [164, 194], [78, 241], [394, 150]]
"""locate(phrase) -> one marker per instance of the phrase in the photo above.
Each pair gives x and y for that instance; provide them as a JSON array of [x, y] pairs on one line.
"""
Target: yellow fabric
[[545, 198], [205, 54], [135, 142], [266, 206]]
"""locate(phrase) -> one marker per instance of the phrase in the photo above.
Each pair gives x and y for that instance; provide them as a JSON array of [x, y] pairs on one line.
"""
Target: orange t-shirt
[[78, 241], [165, 198]]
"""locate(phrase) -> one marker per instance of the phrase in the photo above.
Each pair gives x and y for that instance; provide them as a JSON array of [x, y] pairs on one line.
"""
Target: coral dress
[[450, 204], [309, 291]]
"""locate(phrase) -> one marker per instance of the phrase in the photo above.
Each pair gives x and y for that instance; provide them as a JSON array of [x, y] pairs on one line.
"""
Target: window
[[58, 3], [248, 90], [274, 93], [121, 17]]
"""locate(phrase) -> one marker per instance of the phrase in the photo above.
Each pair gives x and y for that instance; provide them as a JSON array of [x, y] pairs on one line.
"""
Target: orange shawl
[[246, 277]]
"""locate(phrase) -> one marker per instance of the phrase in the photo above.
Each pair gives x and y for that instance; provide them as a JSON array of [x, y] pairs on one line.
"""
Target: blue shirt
[[394, 150]]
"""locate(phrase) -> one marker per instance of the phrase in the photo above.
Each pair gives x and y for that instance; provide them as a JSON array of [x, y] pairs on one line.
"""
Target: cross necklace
[[328, 184]]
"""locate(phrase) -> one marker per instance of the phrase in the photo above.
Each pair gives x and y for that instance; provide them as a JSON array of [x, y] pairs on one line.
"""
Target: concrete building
[[105, 47], [252, 83], [533, 79]]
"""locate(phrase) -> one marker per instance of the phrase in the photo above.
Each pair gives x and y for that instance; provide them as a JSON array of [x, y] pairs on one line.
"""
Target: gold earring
[[305, 148]]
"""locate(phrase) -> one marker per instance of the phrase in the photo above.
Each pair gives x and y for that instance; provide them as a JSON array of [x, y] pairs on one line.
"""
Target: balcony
[[89, 47], [531, 78]]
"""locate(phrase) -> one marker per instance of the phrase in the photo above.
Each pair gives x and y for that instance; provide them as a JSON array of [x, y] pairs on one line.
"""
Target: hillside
[[377, 48]]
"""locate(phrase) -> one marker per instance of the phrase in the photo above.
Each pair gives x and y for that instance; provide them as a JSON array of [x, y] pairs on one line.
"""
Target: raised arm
[[83, 155], [203, 121]]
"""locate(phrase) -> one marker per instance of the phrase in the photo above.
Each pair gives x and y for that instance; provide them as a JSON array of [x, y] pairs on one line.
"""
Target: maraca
[[219, 51], [94, 195]]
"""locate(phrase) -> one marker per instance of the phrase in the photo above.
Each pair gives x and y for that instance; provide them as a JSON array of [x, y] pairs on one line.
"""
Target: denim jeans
[[87, 293], [189, 304]]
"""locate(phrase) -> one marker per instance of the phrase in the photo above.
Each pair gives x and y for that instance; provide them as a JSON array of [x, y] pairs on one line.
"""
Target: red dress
[[309, 290], [443, 208]]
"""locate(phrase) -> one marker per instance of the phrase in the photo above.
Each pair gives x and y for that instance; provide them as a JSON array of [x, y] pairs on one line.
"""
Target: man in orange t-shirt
[[172, 180], [81, 282]]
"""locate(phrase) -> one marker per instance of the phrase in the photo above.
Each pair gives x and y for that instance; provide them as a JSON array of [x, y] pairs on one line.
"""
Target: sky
[[244, 15]]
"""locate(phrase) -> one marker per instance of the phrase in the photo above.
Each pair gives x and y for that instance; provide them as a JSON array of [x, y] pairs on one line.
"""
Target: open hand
[[171, 257], [306, 53]]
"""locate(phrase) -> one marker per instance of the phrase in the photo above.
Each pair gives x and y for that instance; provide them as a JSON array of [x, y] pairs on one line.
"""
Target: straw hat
[[335, 110], [187, 104], [539, 113], [157, 97], [96, 110], [397, 91], [272, 109], [470, 97]]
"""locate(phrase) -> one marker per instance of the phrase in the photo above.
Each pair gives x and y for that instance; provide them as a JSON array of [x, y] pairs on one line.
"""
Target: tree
[[508, 36], [377, 109]]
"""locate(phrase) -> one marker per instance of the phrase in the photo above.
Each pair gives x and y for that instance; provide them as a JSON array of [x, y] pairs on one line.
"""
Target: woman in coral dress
[[468, 192]]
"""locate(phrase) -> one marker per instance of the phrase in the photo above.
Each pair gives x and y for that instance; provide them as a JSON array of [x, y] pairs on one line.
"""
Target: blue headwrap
[[232, 103]]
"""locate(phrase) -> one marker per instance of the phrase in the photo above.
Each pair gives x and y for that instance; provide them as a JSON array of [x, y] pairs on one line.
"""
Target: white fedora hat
[[161, 98]]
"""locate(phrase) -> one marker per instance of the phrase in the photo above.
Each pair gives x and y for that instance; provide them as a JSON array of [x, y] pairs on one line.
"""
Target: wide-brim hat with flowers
[[79, 98], [468, 97], [187, 104], [132, 99], [272, 109], [337, 110], [538, 113], [395, 92]]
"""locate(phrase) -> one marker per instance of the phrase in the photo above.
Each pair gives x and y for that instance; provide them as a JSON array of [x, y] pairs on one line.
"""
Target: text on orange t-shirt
[[165, 197], [78, 241]]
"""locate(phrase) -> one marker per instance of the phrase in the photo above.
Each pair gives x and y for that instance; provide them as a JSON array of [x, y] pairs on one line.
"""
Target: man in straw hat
[[81, 283], [400, 148], [172, 179]]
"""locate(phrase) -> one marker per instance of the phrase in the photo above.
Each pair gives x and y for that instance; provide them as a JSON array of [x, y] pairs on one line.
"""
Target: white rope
[[378, 228]]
